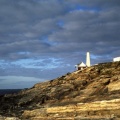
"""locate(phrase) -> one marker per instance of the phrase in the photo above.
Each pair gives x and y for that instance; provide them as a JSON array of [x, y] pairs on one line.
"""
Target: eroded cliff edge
[[93, 93]]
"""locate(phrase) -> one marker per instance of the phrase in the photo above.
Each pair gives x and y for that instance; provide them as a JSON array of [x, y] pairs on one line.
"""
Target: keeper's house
[[116, 59], [80, 66]]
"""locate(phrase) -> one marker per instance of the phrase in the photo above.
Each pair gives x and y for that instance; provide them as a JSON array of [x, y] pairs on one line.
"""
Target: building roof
[[81, 65]]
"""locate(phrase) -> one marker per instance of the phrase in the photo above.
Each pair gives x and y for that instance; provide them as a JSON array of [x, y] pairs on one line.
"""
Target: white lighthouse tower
[[88, 59]]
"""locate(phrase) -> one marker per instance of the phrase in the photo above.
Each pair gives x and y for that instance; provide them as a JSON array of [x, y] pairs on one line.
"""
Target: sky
[[43, 39]]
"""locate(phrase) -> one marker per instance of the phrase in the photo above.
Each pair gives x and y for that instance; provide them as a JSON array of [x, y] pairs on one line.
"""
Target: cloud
[[34, 27], [86, 28]]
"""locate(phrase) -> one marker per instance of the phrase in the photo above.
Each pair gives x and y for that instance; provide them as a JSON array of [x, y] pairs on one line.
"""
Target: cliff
[[90, 94]]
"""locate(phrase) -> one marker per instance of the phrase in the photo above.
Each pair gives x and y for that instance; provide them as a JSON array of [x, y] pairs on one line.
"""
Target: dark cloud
[[88, 28], [40, 38]]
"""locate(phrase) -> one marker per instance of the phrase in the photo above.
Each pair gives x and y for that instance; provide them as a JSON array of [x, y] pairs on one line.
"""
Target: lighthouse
[[88, 59]]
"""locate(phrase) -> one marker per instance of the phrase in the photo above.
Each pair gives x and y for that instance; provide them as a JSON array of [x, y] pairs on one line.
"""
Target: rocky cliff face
[[93, 93]]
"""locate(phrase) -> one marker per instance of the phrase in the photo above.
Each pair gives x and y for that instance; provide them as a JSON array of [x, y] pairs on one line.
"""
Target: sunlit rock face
[[89, 94], [8, 118], [99, 109]]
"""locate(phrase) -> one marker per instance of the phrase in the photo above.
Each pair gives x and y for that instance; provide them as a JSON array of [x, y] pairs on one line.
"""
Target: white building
[[116, 59], [80, 66]]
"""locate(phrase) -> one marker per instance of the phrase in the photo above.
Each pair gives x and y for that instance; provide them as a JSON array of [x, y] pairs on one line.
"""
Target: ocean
[[9, 91]]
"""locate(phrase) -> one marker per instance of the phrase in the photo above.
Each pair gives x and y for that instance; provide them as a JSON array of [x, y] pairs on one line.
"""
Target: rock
[[114, 86], [8, 118], [1, 118], [84, 82], [105, 81], [111, 107], [11, 118], [92, 93]]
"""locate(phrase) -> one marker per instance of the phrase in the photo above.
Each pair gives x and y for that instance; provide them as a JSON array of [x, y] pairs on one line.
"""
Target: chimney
[[88, 59]]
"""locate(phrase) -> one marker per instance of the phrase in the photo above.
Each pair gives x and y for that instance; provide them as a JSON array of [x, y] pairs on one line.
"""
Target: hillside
[[90, 94]]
